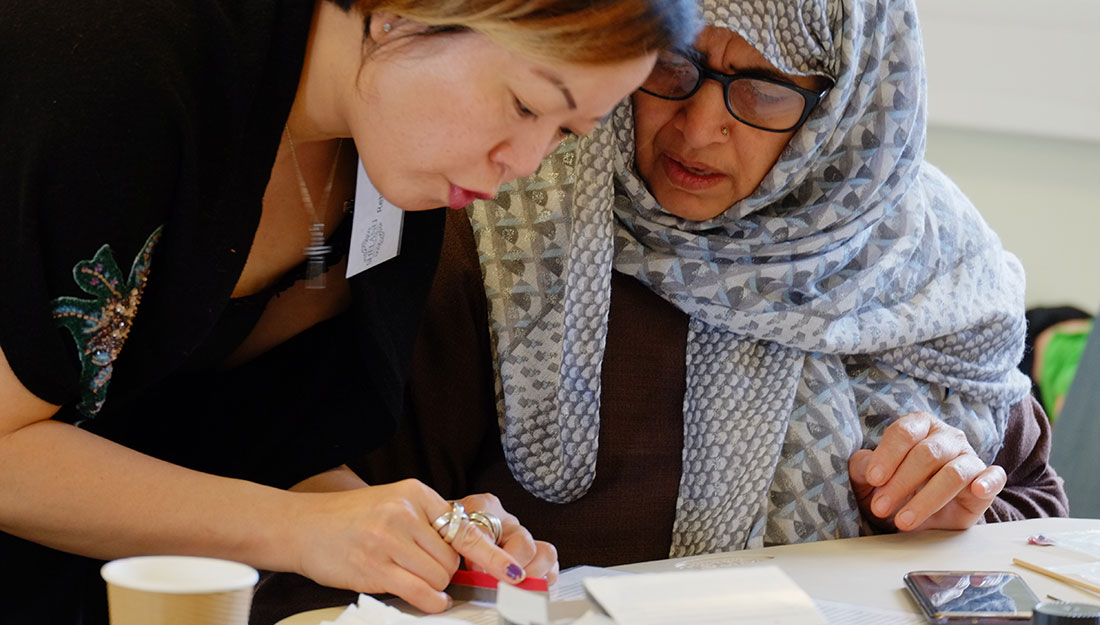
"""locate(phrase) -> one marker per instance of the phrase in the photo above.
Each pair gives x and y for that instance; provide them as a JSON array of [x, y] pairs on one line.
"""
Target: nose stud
[[386, 27], [725, 131]]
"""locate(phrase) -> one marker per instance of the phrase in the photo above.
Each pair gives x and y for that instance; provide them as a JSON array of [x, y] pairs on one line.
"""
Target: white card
[[749, 595], [375, 227], [522, 607]]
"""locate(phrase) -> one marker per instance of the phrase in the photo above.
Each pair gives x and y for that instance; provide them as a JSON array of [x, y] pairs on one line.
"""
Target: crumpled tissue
[[370, 611]]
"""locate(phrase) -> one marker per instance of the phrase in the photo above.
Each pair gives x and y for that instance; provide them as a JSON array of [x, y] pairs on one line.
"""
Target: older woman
[[746, 311]]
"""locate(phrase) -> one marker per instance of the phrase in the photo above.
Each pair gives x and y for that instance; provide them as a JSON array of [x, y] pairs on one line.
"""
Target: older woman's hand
[[923, 475]]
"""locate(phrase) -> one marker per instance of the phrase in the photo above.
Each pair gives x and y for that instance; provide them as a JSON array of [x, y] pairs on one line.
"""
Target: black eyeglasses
[[759, 101]]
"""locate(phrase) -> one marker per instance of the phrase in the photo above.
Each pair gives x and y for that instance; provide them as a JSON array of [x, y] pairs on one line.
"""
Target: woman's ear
[[383, 25]]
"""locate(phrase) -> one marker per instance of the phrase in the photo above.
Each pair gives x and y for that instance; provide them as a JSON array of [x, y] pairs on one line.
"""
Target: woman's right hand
[[380, 539], [923, 475]]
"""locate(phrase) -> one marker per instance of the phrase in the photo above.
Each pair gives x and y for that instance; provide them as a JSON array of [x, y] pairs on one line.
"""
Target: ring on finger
[[448, 523], [490, 522], [441, 521]]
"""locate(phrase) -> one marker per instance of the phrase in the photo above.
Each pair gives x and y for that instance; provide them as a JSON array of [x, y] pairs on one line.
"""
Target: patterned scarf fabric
[[856, 284]]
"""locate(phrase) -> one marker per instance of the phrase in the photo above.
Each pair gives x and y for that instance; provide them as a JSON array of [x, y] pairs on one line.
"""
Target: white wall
[[1013, 65], [1042, 196], [1014, 114]]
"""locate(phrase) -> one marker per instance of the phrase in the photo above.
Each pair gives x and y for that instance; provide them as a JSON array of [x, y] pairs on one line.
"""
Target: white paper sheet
[[1088, 571], [759, 594], [370, 611], [837, 613], [570, 584], [1087, 542], [475, 612]]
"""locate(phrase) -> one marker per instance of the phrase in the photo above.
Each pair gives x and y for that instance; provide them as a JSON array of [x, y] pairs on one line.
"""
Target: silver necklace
[[317, 249]]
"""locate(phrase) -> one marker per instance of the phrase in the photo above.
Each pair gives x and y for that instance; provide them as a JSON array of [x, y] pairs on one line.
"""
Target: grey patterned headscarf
[[855, 284]]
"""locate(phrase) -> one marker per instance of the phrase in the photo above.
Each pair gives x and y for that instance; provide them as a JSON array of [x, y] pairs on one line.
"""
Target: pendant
[[315, 253]]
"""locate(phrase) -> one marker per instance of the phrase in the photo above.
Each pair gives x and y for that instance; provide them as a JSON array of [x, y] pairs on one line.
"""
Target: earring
[[725, 131], [386, 27]]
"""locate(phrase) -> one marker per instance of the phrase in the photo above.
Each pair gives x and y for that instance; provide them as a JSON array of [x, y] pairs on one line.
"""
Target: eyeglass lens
[[757, 102]]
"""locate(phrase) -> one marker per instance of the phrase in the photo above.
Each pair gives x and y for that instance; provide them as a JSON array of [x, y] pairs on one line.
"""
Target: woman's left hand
[[538, 558], [923, 475]]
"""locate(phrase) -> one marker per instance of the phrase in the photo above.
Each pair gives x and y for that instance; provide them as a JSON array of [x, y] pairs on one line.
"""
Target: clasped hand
[[923, 475], [380, 539]]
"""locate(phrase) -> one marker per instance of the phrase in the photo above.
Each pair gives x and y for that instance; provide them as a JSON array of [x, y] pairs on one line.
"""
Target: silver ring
[[490, 522], [454, 521], [441, 521]]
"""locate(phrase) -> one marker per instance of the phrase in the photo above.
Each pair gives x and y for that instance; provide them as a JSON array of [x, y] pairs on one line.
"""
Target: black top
[[138, 139], [120, 118]]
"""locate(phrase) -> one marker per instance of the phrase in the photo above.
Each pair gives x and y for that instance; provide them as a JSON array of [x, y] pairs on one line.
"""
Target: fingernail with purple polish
[[514, 572]]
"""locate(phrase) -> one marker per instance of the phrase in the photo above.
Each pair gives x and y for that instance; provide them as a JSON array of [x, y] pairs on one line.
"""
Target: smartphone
[[973, 597]]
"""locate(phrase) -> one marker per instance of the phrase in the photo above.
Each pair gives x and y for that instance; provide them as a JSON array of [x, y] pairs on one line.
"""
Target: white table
[[868, 571]]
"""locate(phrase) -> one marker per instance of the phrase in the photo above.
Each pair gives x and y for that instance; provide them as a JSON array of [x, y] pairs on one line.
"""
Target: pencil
[[1072, 581]]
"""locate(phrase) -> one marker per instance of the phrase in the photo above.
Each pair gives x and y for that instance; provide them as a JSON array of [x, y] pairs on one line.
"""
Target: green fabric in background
[[1059, 365]]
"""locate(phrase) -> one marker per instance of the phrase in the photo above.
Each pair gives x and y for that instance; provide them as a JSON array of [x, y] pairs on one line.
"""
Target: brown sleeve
[[1033, 489]]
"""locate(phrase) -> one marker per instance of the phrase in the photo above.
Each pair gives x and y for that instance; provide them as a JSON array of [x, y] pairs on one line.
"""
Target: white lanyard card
[[375, 227]]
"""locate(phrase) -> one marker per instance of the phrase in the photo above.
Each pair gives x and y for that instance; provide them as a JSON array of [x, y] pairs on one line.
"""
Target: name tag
[[375, 227]]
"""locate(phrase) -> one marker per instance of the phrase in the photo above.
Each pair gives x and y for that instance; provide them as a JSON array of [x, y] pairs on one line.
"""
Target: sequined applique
[[100, 325]]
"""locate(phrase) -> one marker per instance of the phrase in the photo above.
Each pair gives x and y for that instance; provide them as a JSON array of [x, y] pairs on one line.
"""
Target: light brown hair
[[576, 31]]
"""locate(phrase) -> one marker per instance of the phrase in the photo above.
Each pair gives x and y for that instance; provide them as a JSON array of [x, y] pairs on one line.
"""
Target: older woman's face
[[693, 169]]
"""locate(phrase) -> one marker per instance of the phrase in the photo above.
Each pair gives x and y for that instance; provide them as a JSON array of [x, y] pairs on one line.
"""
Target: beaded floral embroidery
[[100, 325]]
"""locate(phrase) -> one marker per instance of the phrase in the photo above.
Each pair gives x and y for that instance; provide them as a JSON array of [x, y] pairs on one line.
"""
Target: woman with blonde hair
[[188, 355]]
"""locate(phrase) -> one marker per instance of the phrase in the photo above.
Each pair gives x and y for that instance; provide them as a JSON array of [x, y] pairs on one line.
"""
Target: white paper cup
[[178, 590]]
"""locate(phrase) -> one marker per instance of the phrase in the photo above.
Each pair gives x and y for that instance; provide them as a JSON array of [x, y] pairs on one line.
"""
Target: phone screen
[[972, 596]]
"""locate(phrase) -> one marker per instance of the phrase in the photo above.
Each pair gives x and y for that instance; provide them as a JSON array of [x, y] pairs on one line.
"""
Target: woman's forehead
[[799, 37], [726, 49]]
